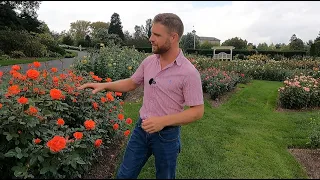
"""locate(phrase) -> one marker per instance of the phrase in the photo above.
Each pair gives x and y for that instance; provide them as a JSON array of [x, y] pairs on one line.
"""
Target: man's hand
[[152, 124], [95, 86]]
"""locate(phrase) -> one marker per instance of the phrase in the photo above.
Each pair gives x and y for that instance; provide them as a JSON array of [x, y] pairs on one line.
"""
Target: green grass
[[12, 61], [243, 138]]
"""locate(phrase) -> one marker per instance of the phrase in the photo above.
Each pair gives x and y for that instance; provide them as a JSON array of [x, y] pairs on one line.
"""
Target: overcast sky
[[260, 21]]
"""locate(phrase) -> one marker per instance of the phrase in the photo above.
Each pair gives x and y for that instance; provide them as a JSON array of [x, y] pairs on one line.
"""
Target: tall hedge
[[209, 52]]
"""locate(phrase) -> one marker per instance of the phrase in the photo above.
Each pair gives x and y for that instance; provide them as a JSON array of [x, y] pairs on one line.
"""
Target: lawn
[[26, 60], [243, 138]]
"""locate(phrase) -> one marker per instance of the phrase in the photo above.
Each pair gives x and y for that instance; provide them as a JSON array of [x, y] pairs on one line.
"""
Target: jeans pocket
[[169, 135]]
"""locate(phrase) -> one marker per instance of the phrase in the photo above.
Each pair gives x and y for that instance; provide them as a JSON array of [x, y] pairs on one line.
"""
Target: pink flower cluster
[[305, 82]]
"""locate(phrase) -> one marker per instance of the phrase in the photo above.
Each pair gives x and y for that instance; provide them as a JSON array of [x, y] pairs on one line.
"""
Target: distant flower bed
[[300, 92], [49, 129]]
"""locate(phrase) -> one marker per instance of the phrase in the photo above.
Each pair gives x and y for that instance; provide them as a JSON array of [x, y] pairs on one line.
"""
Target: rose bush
[[300, 92], [49, 129]]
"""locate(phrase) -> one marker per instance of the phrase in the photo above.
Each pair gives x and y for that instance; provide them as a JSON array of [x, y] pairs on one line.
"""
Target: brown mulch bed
[[309, 159], [105, 168]]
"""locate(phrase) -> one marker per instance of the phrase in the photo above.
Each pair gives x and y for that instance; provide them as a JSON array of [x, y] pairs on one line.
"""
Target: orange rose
[[37, 141], [1, 74], [33, 74], [98, 143], [60, 122], [129, 121], [36, 64], [54, 69], [95, 105], [15, 67], [116, 126], [14, 89], [78, 135], [89, 124], [57, 143], [127, 132], [118, 93], [120, 116], [23, 100], [55, 94], [1, 105]]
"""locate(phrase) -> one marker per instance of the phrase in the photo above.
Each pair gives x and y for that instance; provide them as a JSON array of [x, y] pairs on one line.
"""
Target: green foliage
[[315, 133], [102, 36], [237, 42], [207, 45], [115, 26], [300, 92], [67, 40], [188, 41], [25, 134], [111, 62], [17, 54], [79, 29], [296, 44]]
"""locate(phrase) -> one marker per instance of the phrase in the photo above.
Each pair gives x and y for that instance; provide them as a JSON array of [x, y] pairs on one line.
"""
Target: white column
[[231, 55], [214, 53]]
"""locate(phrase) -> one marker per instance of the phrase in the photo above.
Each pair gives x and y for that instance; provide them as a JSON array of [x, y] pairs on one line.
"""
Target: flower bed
[[300, 92], [216, 82], [49, 129]]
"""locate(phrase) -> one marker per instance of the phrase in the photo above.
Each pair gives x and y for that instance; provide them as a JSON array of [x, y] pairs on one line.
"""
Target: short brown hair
[[171, 21]]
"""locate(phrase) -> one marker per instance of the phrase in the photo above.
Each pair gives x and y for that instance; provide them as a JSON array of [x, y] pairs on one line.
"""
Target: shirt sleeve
[[138, 76], [192, 89]]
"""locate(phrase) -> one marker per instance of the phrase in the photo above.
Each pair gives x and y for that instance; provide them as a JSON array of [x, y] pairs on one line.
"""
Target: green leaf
[[19, 155], [74, 164], [83, 146], [37, 133], [80, 161], [44, 170], [11, 153], [18, 150], [40, 158], [33, 160], [11, 118], [9, 137]]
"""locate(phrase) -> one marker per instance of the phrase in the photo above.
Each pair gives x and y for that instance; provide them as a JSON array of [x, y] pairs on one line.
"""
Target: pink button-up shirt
[[177, 85]]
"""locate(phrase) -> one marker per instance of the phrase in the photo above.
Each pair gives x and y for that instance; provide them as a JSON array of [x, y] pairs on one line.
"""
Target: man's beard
[[163, 49]]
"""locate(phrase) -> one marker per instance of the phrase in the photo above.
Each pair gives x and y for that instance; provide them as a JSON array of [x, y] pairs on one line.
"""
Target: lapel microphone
[[152, 81]]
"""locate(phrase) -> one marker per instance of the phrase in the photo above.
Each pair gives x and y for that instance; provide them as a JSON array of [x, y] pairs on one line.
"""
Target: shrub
[[5, 57], [300, 92], [217, 82], [17, 54], [49, 129], [111, 61], [314, 137]]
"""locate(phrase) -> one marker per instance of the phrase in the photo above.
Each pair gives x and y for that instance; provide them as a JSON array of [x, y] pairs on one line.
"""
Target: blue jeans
[[164, 145]]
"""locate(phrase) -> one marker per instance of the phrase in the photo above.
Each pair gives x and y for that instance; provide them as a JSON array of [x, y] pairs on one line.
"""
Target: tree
[[251, 46], [296, 43], [79, 29], [318, 37], [148, 28], [67, 39], [237, 42], [263, 46], [95, 26], [102, 36], [28, 7], [115, 26], [187, 41], [207, 45]]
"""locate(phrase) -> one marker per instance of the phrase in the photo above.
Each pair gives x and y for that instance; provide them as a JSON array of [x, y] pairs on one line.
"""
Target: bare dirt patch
[[309, 159], [105, 168]]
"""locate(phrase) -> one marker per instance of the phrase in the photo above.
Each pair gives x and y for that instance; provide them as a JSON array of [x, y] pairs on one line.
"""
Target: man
[[170, 82]]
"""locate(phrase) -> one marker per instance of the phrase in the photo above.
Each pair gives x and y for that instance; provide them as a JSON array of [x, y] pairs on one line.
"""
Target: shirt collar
[[178, 60]]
